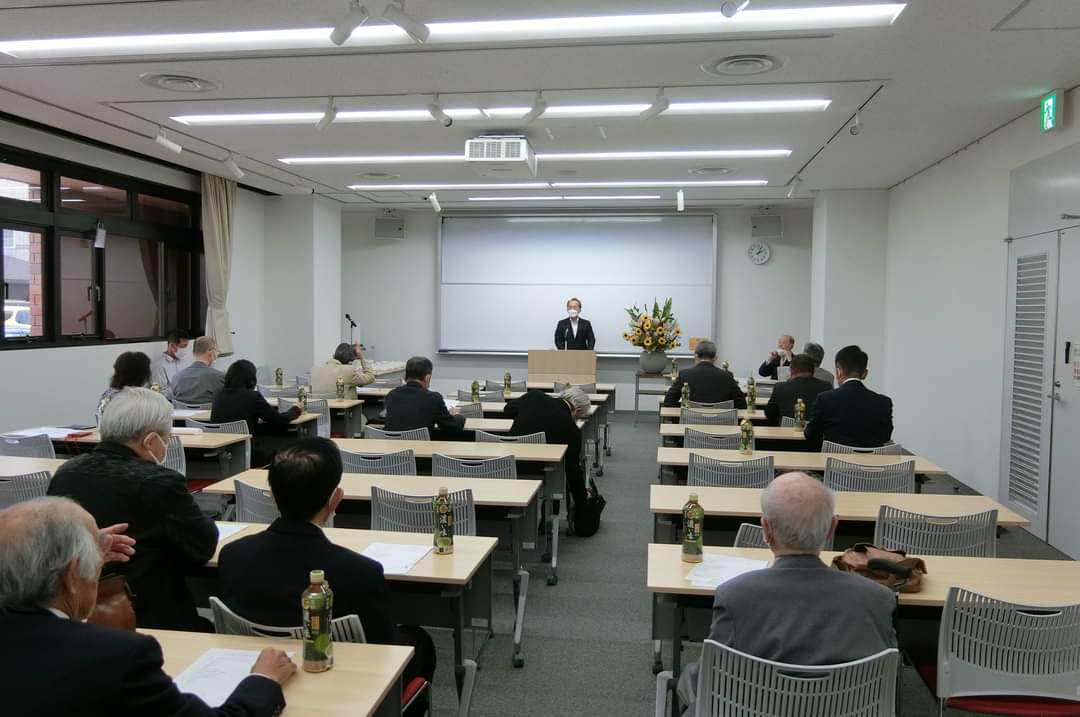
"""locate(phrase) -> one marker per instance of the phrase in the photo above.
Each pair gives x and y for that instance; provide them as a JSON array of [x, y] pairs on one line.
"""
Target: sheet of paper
[[717, 569], [185, 412], [186, 430], [216, 674], [395, 558], [225, 530], [451, 403], [53, 432]]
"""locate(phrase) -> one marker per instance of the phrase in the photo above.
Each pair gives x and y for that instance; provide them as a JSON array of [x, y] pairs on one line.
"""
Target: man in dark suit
[[800, 610], [785, 348], [55, 665], [573, 332], [262, 576], [708, 383], [413, 405], [802, 384], [851, 414]]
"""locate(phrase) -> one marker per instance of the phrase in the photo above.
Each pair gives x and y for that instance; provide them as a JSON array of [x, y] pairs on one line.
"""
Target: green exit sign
[[1051, 111]]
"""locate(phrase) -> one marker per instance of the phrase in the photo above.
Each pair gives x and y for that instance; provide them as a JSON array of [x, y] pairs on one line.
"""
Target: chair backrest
[[39, 446], [889, 449], [992, 647], [485, 437], [750, 473], [240, 427], [286, 391], [700, 439], [515, 386], [303, 379], [783, 373], [764, 390], [973, 536], [498, 467], [346, 628], [255, 505], [788, 422], [415, 434], [321, 407], [414, 513], [485, 396], [399, 463], [889, 478], [734, 683], [728, 417], [471, 410], [705, 404], [385, 383], [175, 458], [750, 536], [26, 486], [586, 387], [192, 406]]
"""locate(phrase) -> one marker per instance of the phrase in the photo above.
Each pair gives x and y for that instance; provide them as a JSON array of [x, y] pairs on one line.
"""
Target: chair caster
[[657, 667], [519, 661], [599, 472], [553, 580]]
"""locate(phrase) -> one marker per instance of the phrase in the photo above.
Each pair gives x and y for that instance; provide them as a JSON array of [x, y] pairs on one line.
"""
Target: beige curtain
[[218, 201]]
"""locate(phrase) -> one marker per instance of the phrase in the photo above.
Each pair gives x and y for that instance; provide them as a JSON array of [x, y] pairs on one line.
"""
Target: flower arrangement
[[656, 332]]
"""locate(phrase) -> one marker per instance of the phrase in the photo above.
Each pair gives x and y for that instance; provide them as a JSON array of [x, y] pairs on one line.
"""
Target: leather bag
[[856, 559], [114, 606]]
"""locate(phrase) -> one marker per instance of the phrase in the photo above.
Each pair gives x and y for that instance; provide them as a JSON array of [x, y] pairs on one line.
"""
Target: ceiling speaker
[[766, 226]]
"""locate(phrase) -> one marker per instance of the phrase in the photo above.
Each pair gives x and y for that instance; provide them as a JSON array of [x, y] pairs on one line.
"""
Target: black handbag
[[587, 514]]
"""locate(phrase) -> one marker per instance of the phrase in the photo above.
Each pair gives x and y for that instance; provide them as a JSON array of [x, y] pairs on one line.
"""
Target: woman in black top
[[239, 401]]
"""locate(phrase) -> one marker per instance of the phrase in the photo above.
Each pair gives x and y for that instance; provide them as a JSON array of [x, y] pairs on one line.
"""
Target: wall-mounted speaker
[[766, 226], [393, 228]]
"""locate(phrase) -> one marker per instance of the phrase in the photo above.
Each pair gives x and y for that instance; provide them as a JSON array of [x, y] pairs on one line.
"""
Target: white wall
[[389, 287], [326, 275], [945, 299], [289, 277], [246, 303]]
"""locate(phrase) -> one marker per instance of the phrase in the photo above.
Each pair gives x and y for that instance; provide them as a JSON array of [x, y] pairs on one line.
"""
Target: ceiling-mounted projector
[[495, 156]]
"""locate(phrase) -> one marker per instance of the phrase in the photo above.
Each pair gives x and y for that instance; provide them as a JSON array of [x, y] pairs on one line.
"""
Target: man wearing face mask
[[574, 332], [124, 481], [171, 360]]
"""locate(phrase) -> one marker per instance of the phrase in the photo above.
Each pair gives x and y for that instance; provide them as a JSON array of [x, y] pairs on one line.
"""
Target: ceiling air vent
[[178, 83], [742, 65]]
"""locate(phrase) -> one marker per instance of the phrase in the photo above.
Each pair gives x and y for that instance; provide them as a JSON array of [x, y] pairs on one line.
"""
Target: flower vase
[[653, 361]]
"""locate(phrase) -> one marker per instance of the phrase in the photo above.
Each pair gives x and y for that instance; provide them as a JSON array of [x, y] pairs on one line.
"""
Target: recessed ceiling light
[[465, 33], [743, 65], [545, 156], [587, 197]]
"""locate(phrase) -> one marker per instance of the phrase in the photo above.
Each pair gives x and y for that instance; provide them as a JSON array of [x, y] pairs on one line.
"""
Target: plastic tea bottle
[[674, 369], [340, 385], [444, 523], [301, 397], [279, 377], [475, 392], [317, 604], [800, 413], [751, 394], [746, 437], [693, 528], [685, 400], [506, 385], [726, 365], [155, 387]]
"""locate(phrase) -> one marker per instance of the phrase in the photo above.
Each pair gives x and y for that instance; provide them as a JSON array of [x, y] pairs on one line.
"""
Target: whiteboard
[[504, 281]]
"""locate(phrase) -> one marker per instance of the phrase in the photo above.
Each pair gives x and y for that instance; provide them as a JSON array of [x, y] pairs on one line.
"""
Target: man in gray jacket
[[800, 610]]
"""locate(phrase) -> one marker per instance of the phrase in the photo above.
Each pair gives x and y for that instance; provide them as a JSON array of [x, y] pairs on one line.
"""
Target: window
[[78, 288], [22, 272], [20, 183], [158, 210], [93, 198], [132, 287], [177, 287]]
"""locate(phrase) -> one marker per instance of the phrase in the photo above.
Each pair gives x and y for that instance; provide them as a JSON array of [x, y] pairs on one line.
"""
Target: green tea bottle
[[340, 386], [317, 604], [279, 377], [685, 400], [475, 392], [746, 437], [800, 413], [693, 516], [443, 509], [506, 385], [674, 369]]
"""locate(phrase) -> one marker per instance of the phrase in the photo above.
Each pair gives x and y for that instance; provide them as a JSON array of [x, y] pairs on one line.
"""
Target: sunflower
[[660, 326], [662, 341], [648, 341], [647, 325], [678, 331]]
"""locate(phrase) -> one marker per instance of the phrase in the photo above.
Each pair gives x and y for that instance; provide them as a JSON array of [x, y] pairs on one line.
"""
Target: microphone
[[351, 322], [888, 566], [566, 336]]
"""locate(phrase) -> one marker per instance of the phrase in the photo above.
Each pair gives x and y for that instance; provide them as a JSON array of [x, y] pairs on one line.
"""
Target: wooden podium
[[549, 365]]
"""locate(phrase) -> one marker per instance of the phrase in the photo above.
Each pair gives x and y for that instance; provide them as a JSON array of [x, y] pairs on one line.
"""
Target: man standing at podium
[[573, 332]]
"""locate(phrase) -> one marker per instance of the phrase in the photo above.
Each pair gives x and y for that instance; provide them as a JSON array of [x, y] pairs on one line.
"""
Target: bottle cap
[[693, 497], [317, 577]]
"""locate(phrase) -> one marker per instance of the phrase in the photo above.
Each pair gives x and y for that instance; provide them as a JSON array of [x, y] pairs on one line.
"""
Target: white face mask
[[572, 313], [164, 447], [181, 354]]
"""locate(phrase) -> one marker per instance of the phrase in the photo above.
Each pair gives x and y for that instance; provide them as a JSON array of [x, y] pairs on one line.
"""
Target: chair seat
[[1016, 705], [412, 689]]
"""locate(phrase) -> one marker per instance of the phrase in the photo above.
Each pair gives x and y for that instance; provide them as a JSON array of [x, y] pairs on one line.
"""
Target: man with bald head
[[799, 610], [54, 664], [781, 356]]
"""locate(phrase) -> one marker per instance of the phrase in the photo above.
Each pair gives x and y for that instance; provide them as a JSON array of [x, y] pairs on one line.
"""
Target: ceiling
[[944, 74]]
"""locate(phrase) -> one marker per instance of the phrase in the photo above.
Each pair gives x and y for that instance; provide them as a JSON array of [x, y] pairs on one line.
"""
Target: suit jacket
[[767, 369], [262, 577], [565, 339], [800, 611], [412, 406], [535, 411], [853, 415], [784, 395], [174, 537], [324, 378], [198, 383], [708, 384], [54, 667]]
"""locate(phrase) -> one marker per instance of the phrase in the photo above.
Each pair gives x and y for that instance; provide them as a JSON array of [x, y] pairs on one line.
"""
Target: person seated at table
[[54, 664], [802, 384], [412, 405], [123, 480], [131, 368], [348, 365], [239, 401], [852, 414], [817, 354], [708, 382], [199, 382], [799, 610], [263, 575], [785, 347], [168, 363]]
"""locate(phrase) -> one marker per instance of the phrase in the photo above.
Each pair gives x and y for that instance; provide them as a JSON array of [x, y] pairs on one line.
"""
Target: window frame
[[52, 220]]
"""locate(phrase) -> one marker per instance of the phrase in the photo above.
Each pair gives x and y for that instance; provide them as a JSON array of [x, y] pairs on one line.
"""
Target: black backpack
[[587, 514]]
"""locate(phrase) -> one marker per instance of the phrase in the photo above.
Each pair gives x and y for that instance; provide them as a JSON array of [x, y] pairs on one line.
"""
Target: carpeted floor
[[587, 646]]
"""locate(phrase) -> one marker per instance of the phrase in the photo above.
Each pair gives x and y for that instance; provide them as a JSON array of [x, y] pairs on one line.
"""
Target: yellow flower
[[648, 325], [648, 340], [678, 331], [637, 333], [661, 341]]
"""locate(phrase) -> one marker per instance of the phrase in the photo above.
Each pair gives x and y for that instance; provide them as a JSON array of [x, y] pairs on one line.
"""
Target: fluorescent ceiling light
[[583, 197], [378, 159], [747, 106], [73, 201], [547, 157], [558, 185], [253, 118], [558, 198], [663, 183], [406, 31], [515, 199], [450, 187]]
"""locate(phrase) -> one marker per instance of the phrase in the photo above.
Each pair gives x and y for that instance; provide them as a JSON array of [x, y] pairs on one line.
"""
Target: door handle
[[1055, 396]]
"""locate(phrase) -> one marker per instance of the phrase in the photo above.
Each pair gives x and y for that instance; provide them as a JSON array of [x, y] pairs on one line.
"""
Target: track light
[[539, 107], [436, 111], [395, 14], [658, 106], [680, 201], [354, 18], [731, 8], [856, 125], [233, 167], [328, 116], [167, 143], [794, 187], [434, 200]]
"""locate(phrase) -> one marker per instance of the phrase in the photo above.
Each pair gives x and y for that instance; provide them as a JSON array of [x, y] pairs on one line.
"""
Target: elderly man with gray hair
[[708, 382], [799, 610], [53, 663], [817, 353], [124, 481]]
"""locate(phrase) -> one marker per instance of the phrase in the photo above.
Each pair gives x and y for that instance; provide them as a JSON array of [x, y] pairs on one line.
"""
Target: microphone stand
[[352, 325]]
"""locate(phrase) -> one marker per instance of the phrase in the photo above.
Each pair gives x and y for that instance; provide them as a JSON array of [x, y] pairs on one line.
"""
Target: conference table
[[518, 497], [449, 591], [17, 465], [306, 423], [672, 414], [550, 455], [1024, 581], [366, 679], [794, 460], [673, 431], [348, 408]]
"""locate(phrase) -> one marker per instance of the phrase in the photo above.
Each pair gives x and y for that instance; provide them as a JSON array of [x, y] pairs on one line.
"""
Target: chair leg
[[467, 687], [657, 657], [663, 684], [521, 588]]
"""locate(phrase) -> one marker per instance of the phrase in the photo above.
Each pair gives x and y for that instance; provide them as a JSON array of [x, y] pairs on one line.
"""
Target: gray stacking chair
[[38, 446], [764, 390], [225, 454], [485, 437], [586, 387], [704, 404], [499, 467], [750, 536], [485, 396], [26, 486], [413, 513], [973, 536], [399, 463], [891, 478], [471, 410], [191, 406], [789, 422], [175, 458], [750, 473], [700, 439], [416, 434], [889, 449], [254, 505], [729, 417], [515, 386], [285, 391], [312, 405]]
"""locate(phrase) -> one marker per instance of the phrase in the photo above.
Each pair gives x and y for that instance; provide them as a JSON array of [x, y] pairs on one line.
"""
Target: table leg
[[347, 416], [557, 477], [457, 602], [676, 655], [637, 395], [607, 424], [521, 587]]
